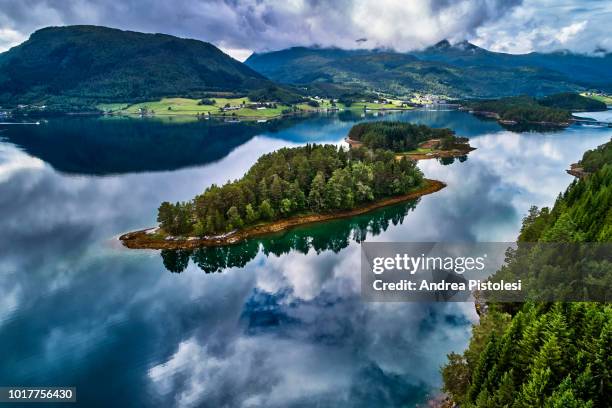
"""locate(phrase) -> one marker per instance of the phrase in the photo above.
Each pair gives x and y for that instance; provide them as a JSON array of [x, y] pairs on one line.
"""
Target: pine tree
[[165, 216], [456, 375], [603, 361], [485, 363], [316, 198], [533, 391], [297, 196], [276, 191], [504, 395], [265, 210], [199, 229], [233, 218], [251, 214], [286, 206], [565, 397], [262, 189], [333, 192], [550, 357]]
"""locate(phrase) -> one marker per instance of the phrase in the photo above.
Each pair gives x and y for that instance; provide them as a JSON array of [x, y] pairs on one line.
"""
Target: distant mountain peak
[[600, 51], [466, 46], [446, 45], [442, 45]]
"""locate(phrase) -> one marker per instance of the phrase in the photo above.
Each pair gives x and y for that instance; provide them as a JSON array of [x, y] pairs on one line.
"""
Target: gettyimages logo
[[413, 264]]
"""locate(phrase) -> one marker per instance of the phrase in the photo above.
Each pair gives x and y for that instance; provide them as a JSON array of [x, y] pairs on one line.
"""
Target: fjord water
[[274, 322]]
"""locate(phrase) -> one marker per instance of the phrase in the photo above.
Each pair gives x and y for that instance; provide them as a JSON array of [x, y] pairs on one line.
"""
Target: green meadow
[[223, 107], [602, 98]]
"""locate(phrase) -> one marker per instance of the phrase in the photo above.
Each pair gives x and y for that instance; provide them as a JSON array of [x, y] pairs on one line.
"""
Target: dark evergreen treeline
[[558, 256], [553, 355], [520, 109], [330, 236], [399, 136], [573, 102], [309, 179], [277, 94], [597, 158], [582, 214], [120, 145], [546, 354]]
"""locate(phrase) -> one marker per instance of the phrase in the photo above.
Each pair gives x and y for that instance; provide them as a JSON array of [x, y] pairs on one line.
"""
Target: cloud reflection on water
[[285, 330]]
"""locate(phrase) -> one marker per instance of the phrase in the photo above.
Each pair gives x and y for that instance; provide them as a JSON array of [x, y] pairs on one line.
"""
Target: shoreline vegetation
[[416, 142], [553, 110], [150, 238], [245, 108], [294, 186], [424, 152], [540, 353], [591, 161]]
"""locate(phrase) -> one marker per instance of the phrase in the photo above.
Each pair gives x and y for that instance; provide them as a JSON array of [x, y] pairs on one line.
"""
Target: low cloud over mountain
[[242, 26]]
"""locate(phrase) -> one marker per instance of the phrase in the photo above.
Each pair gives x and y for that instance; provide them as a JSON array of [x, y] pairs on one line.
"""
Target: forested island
[[552, 110], [408, 139], [289, 187], [319, 238], [543, 354]]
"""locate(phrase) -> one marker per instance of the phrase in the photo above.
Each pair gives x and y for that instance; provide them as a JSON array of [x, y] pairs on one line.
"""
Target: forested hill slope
[[80, 64], [460, 70], [540, 354], [593, 70]]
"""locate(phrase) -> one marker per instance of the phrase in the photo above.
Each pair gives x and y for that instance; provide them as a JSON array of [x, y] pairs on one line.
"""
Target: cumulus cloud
[[9, 38], [547, 25], [239, 26], [242, 26]]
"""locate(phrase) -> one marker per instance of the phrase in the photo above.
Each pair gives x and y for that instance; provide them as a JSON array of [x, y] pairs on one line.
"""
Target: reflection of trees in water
[[176, 261], [328, 236], [100, 146], [450, 160], [532, 127]]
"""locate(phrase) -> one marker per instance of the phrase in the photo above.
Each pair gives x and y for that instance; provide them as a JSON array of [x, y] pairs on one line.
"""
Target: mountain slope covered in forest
[[82, 65], [459, 70], [548, 354]]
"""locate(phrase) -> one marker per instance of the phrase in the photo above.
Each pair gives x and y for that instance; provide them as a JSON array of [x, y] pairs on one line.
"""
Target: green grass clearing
[[190, 107], [112, 107], [378, 106], [420, 150], [605, 99]]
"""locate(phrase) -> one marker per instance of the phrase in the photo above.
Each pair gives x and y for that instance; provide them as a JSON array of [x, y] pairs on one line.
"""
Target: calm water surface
[[275, 322]]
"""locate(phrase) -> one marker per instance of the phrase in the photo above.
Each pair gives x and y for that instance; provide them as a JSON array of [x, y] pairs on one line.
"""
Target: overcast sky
[[242, 26]]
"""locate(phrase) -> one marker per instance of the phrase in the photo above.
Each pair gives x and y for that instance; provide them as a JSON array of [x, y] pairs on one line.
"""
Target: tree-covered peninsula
[[519, 110], [550, 110], [293, 186], [573, 102], [543, 354], [396, 136], [596, 158], [592, 160], [415, 141]]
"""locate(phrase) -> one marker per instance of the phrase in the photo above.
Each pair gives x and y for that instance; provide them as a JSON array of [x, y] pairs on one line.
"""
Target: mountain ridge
[[85, 64], [461, 69]]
